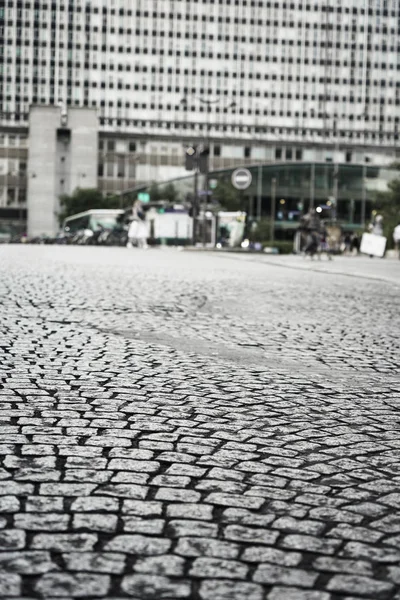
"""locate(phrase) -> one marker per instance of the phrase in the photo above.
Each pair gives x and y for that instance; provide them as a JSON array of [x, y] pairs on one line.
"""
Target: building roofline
[[94, 211], [266, 165]]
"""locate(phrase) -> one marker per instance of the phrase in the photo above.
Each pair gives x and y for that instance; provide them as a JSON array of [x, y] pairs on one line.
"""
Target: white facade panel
[[42, 183], [83, 150]]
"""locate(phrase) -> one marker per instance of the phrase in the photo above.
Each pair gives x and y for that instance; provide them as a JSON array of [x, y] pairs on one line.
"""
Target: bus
[[92, 219]]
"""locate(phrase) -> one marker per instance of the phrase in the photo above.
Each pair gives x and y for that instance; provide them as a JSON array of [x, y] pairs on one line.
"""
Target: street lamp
[[197, 158], [335, 170], [273, 208], [364, 193]]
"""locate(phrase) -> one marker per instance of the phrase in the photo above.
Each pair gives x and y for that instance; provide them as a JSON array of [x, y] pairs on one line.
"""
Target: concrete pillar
[[84, 147], [42, 201], [63, 155]]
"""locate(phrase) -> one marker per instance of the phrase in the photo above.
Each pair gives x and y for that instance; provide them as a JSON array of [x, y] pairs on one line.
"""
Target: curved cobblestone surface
[[176, 425]]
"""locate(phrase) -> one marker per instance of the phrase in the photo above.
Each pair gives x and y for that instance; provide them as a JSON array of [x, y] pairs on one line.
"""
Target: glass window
[[121, 168], [77, 224], [105, 221], [110, 169]]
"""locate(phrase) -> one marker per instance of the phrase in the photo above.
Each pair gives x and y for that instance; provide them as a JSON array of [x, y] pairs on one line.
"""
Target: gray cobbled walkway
[[177, 425]]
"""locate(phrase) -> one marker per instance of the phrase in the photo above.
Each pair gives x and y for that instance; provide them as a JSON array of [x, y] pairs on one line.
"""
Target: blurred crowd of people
[[318, 239]]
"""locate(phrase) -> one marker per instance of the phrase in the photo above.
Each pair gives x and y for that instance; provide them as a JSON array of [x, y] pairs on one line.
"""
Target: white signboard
[[241, 179], [373, 245]]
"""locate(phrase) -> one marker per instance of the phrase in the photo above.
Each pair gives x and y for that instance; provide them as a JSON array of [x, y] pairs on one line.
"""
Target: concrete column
[[83, 124], [63, 155], [42, 201]]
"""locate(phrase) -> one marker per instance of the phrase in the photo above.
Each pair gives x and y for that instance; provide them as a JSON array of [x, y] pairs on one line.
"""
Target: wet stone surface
[[179, 425]]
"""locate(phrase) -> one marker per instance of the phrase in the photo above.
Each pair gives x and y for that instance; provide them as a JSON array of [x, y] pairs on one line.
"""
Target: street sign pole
[[195, 203], [259, 192], [364, 195], [312, 185], [273, 208], [205, 204], [241, 179]]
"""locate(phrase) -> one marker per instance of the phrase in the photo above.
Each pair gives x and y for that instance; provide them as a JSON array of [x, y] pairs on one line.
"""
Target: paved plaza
[[202, 426]]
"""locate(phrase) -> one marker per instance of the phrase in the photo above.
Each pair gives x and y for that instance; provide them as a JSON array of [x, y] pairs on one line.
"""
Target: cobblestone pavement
[[187, 426]]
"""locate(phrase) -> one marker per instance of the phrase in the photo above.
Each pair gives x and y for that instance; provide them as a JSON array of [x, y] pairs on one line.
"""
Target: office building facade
[[259, 81]]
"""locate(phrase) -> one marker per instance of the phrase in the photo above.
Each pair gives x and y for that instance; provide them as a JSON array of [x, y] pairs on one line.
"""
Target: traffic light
[[190, 158], [203, 160]]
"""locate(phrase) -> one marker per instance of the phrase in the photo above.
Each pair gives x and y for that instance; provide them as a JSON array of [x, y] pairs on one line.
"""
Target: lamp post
[[199, 162], [259, 191], [273, 209], [209, 104], [335, 184], [364, 194], [312, 185]]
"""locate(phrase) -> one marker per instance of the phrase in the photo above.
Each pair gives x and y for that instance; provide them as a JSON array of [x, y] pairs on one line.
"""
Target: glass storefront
[[297, 187]]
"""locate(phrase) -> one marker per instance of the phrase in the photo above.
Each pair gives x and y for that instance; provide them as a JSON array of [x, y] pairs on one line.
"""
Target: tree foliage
[[163, 192], [228, 197], [154, 192], [85, 199], [170, 193], [260, 231]]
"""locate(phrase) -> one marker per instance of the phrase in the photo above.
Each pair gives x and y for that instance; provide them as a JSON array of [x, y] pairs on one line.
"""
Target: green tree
[[163, 192], [388, 205], [261, 231], [85, 199], [227, 196], [154, 192], [170, 193]]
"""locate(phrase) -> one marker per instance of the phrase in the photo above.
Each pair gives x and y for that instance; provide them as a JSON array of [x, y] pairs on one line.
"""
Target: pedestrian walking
[[396, 238], [347, 243], [312, 246], [324, 246], [377, 225], [137, 232], [355, 244], [311, 226]]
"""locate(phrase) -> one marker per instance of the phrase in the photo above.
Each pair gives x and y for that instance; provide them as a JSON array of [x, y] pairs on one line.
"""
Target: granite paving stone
[[199, 426], [155, 587]]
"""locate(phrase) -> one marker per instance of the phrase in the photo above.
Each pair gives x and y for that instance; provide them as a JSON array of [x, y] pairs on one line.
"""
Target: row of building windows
[[270, 37], [13, 140], [235, 129], [277, 23], [10, 196], [266, 59], [275, 42], [180, 15], [32, 68], [33, 64], [120, 84], [382, 101]]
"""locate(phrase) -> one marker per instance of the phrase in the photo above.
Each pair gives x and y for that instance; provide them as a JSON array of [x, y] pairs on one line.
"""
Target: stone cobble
[[178, 425]]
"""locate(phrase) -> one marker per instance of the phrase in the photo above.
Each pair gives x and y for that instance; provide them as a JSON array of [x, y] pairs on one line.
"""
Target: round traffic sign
[[241, 179]]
